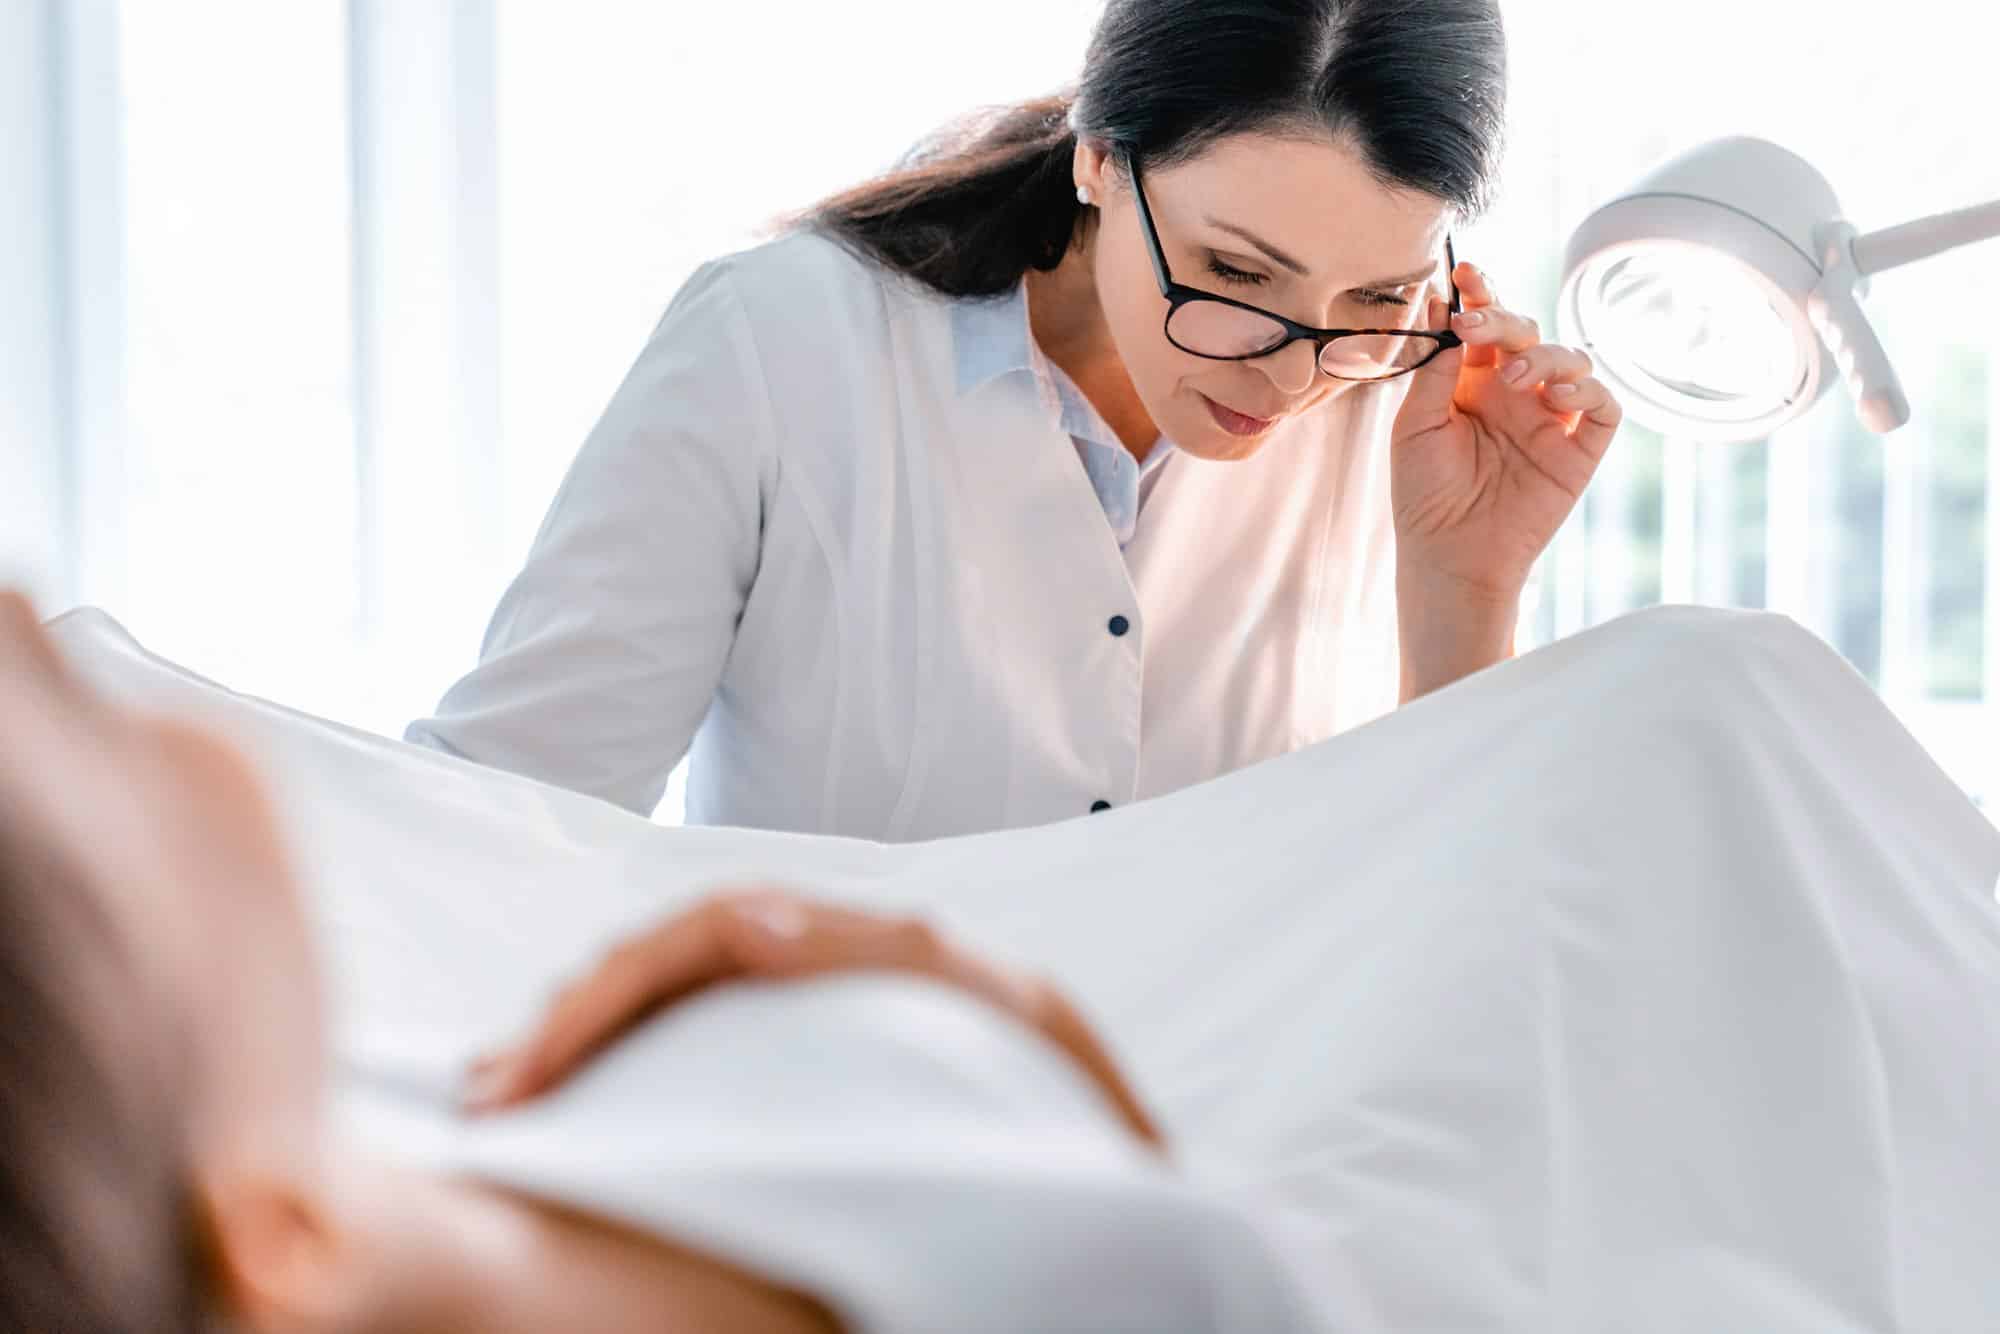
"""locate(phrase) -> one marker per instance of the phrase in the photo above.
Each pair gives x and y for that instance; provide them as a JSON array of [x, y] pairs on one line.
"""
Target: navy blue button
[[1097, 806], [1119, 625]]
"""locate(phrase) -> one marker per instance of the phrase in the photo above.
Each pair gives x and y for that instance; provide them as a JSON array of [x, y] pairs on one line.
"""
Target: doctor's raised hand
[[1489, 454]]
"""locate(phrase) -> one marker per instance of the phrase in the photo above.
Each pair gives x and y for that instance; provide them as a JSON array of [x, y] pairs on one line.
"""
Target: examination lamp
[[1717, 294]]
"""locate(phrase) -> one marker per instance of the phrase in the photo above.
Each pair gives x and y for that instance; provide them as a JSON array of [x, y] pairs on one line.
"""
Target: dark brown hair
[[97, 1230], [1417, 86]]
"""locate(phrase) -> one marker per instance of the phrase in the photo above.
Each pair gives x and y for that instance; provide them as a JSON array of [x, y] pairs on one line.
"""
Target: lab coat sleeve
[[602, 657]]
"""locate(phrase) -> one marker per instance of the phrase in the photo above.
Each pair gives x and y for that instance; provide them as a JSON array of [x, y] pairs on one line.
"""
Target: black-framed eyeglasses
[[1222, 328]]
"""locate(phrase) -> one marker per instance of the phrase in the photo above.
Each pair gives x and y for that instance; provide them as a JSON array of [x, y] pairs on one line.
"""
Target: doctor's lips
[[1234, 422]]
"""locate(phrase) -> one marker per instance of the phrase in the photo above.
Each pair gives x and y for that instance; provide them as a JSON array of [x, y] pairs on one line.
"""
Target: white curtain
[[305, 306]]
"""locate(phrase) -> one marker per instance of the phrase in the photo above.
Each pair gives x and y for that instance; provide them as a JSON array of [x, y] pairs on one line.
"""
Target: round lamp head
[[1689, 291]]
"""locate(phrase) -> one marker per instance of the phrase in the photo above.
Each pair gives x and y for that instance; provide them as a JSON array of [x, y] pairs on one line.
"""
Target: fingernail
[[1471, 319], [1561, 390], [1514, 371], [782, 921]]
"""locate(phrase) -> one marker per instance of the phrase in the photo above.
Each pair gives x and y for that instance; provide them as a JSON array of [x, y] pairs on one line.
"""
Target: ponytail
[[973, 209]]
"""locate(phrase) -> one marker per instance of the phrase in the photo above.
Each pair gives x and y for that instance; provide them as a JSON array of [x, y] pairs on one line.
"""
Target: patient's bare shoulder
[[600, 1274]]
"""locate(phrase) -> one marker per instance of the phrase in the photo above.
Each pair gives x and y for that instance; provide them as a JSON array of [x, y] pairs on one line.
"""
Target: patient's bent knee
[[1714, 647]]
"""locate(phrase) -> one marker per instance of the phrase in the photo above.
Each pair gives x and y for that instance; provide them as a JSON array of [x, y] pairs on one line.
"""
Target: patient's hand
[[771, 935]]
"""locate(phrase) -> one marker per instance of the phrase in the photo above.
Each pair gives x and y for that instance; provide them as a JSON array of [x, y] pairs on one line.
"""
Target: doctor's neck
[[1066, 315]]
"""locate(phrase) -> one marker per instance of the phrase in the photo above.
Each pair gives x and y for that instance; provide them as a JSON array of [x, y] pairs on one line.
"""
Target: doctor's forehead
[[1315, 197]]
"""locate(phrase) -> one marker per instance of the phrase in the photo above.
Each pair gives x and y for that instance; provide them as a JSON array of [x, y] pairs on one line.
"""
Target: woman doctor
[[1049, 471]]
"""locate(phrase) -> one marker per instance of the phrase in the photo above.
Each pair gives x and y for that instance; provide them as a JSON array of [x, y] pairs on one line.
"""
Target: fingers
[[1475, 289], [1044, 1009], [1488, 328], [1593, 412], [741, 934], [1496, 336], [772, 935], [683, 954], [1062, 1025], [1550, 362], [1493, 331], [1562, 376]]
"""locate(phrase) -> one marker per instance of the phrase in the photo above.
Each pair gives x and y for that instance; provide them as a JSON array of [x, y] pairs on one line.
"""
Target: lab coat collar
[[990, 337]]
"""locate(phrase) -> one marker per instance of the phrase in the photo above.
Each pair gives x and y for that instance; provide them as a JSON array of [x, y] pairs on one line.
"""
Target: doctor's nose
[[1292, 368]]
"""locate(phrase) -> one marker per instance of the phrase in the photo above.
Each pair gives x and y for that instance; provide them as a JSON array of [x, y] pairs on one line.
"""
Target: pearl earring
[[1083, 194]]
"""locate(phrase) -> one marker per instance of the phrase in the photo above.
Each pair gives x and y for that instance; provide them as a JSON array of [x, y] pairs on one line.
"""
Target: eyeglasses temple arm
[[1152, 233]]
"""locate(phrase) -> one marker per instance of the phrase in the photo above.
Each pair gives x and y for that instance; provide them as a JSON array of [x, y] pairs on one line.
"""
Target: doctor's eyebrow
[[1280, 258]]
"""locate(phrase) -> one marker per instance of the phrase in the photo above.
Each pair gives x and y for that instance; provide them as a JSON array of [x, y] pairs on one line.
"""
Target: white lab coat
[[877, 598]]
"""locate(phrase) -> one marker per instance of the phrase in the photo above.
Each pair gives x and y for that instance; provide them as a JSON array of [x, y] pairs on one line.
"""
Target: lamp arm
[[1911, 241], [1834, 309]]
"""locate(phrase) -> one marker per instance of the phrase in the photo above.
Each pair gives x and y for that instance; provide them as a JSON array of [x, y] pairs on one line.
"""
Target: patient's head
[[160, 1068], [94, 1211], [163, 1168]]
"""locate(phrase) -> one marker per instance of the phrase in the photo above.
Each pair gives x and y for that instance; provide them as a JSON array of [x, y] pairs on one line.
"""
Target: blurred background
[[306, 304]]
